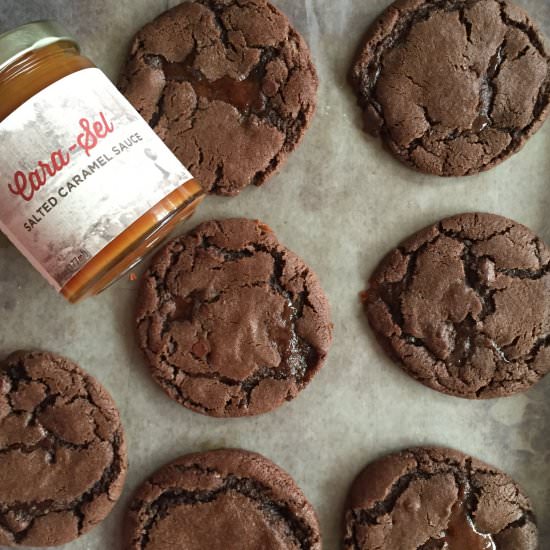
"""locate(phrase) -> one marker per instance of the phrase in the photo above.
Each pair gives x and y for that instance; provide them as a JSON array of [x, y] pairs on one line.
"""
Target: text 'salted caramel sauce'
[[86, 187]]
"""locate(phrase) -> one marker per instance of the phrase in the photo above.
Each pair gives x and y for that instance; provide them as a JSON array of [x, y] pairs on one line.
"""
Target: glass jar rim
[[17, 42]]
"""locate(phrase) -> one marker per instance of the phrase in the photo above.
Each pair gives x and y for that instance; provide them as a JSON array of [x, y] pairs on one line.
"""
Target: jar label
[[78, 166]]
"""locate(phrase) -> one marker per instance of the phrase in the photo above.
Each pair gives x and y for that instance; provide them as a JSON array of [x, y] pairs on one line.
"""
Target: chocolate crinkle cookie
[[231, 322], [221, 500], [437, 499], [453, 87], [228, 85], [464, 306], [62, 451]]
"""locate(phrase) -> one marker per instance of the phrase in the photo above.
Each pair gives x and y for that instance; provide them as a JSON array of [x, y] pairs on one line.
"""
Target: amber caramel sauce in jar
[[34, 71]]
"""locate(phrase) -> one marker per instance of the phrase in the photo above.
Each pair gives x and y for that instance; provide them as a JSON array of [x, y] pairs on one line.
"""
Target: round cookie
[[229, 86], [218, 500], [455, 87], [231, 322], [464, 306], [62, 451], [436, 499]]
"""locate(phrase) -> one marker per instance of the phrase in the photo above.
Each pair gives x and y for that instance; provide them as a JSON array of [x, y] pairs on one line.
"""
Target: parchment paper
[[341, 203]]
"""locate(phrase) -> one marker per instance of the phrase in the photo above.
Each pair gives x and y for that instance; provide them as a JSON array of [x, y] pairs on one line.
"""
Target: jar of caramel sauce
[[87, 189]]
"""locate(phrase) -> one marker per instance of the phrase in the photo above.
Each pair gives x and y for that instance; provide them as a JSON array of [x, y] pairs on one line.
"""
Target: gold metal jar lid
[[30, 37]]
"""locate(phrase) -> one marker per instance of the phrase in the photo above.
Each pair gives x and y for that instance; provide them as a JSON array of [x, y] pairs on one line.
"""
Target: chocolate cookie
[[231, 322], [62, 451], [453, 87], [229, 86], [436, 499], [221, 500], [464, 305]]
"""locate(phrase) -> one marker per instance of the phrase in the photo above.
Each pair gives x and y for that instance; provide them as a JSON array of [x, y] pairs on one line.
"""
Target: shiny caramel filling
[[461, 533]]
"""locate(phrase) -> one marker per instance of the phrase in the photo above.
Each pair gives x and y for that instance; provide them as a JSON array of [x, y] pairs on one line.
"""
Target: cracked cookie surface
[[229, 85], [464, 305], [437, 499], [453, 87], [221, 500], [62, 451], [231, 322]]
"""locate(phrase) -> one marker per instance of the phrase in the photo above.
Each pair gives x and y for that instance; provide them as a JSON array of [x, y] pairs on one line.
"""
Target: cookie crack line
[[171, 387], [365, 76], [249, 488], [487, 92], [470, 328], [526, 29], [217, 12], [246, 386], [466, 23]]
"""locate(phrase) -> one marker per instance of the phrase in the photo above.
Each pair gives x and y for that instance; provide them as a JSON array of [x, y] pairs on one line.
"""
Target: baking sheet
[[341, 202]]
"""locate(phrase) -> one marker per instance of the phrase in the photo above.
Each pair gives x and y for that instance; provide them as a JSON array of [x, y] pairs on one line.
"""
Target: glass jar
[[87, 189]]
